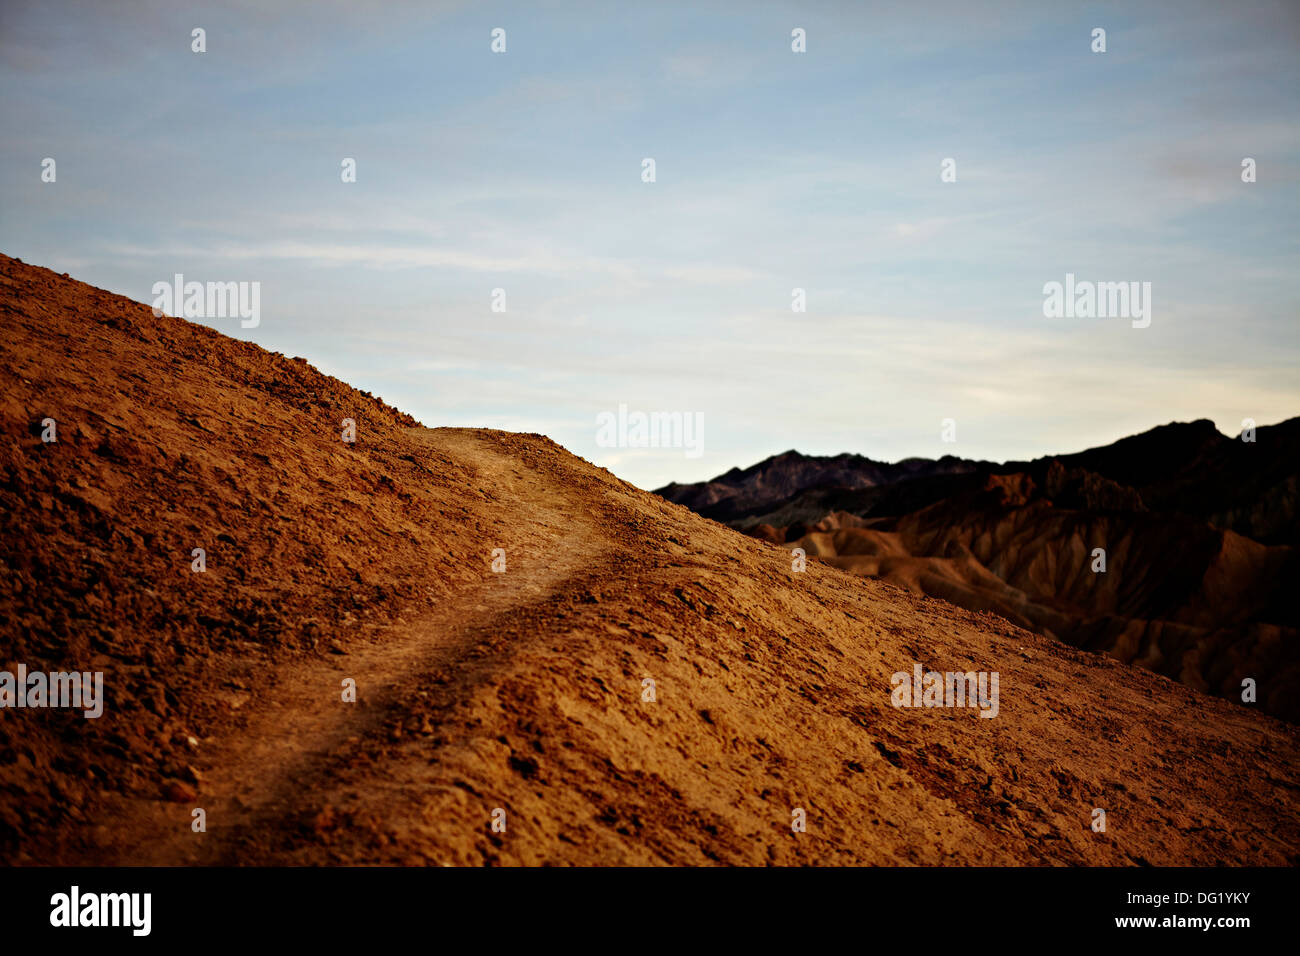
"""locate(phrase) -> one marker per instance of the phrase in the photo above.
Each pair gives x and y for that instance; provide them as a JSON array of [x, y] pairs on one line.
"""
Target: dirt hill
[[521, 690]]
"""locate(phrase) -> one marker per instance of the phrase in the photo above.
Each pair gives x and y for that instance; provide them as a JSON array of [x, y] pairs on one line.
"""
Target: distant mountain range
[[1199, 533]]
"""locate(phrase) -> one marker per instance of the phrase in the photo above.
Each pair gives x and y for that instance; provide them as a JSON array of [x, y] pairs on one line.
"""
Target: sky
[[775, 170]]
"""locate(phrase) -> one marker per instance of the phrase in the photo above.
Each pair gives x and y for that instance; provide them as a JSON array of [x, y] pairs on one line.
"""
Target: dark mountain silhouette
[[744, 492], [1198, 531]]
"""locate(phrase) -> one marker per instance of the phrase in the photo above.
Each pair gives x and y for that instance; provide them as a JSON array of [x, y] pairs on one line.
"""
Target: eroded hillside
[[1146, 559]]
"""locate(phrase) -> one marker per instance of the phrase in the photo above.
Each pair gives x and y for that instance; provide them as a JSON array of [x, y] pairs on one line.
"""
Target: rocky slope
[[519, 696]]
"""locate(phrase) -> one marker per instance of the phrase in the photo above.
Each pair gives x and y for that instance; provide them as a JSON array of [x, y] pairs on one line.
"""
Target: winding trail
[[281, 767]]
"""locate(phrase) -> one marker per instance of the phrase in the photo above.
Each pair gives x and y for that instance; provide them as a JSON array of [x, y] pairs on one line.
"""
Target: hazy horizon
[[775, 170]]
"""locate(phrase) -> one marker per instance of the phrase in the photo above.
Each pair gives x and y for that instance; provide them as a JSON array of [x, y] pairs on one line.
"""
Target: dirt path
[[276, 773]]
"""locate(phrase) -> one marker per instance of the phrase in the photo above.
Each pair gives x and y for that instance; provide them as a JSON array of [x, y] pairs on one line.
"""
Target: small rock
[[178, 792]]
